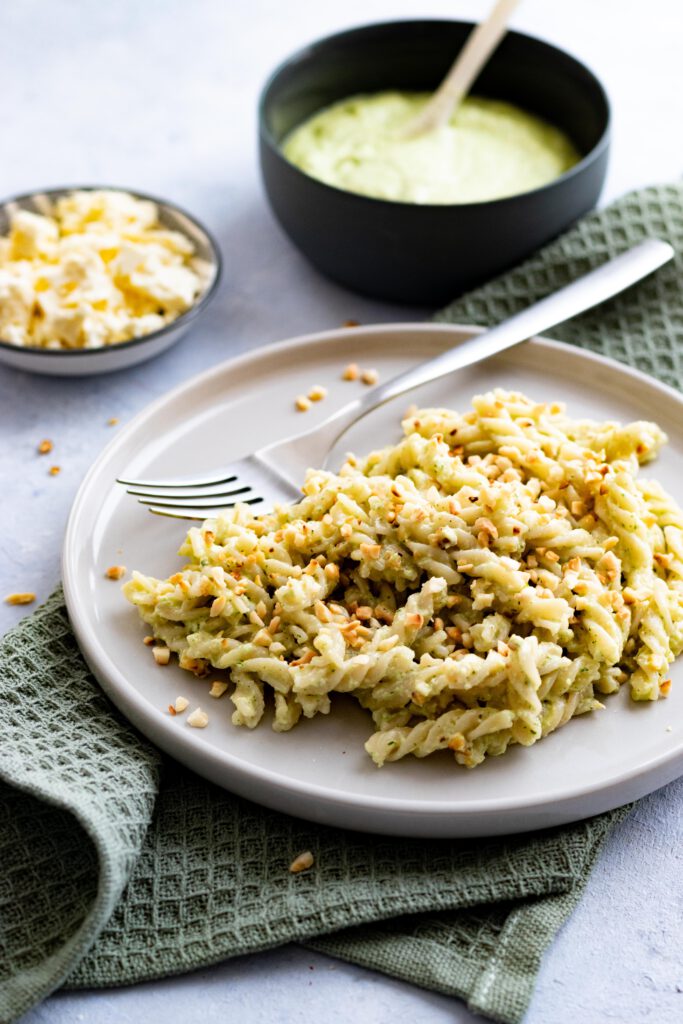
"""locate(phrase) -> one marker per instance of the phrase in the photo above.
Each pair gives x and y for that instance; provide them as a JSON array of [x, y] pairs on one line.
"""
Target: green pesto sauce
[[488, 150]]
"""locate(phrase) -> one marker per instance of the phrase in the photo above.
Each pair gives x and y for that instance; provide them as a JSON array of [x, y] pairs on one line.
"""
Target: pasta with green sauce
[[492, 575]]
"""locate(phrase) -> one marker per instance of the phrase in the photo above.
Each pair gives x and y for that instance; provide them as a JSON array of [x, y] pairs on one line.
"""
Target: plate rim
[[154, 726]]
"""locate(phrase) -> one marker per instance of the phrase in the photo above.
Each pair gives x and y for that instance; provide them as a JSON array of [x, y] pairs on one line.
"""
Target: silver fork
[[273, 474]]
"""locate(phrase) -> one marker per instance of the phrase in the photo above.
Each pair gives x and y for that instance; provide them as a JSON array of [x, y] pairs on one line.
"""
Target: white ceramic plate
[[320, 770]]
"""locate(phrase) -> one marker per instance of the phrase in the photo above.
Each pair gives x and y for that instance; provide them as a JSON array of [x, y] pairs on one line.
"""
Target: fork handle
[[584, 293]]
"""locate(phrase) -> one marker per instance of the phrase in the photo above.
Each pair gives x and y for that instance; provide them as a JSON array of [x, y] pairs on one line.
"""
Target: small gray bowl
[[84, 362]]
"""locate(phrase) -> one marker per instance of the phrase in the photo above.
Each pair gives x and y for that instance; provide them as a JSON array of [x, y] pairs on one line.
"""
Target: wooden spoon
[[479, 46]]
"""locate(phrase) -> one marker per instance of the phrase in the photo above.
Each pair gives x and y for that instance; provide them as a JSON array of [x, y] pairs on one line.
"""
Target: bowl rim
[[406, 24], [185, 318]]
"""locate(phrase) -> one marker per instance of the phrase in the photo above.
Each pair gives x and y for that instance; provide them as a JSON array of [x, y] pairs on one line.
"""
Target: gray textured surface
[[160, 97]]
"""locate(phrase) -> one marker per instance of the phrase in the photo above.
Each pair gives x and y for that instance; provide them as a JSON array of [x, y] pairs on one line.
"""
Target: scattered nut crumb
[[180, 704], [45, 446], [172, 710], [370, 550], [218, 688], [55, 470], [369, 376], [364, 612], [317, 393], [351, 323], [351, 372], [162, 655], [302, 863], [148, 641], [112, 421], [302, 403], [115, 572], [198, 719], [26, 598]]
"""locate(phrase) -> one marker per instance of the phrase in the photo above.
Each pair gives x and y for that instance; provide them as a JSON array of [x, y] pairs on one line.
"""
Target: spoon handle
[[479, 46]]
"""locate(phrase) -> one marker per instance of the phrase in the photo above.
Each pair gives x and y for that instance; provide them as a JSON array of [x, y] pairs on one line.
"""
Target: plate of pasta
[[468, 625]]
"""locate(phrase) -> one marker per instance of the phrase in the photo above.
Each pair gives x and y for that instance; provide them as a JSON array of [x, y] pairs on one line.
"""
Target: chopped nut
[[415, 619], [323, 613], [198, 719], [148, 641], [112, 421], [351, 323], [217, 605], [665, 687], [263, 638], [317, 393], [180, 704], [364, 612], [302, 403], [485, 525], [370, 550], [162, 655], [302, 863], [21, 598], [218, 688], [172, 710], [351, 372], [45, 447], [369, 376], [456, 742], [552, 556], [115, 572], [304, 659], [55, 470]]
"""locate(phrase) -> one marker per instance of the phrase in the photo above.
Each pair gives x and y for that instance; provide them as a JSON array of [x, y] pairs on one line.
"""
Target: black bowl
[[425, 254]]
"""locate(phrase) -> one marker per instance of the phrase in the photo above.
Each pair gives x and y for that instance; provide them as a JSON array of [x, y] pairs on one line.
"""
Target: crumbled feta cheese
[[101, 269]]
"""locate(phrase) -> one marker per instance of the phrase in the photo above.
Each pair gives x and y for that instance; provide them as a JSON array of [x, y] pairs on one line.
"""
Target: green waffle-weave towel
[[117, 865]]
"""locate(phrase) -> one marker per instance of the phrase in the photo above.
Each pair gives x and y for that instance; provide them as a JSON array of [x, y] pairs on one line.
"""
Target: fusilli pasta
[[476, 585]]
